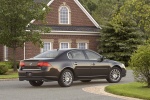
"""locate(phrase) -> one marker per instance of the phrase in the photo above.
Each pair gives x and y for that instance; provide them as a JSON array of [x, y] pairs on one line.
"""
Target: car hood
[[112, 61]]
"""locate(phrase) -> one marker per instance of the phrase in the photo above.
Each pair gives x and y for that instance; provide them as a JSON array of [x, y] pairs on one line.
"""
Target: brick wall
[[32, 50], [19, 53], [78, 17]]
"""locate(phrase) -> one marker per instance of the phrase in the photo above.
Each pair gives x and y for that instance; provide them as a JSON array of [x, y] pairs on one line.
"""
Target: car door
[[80, 63], [98, 69]]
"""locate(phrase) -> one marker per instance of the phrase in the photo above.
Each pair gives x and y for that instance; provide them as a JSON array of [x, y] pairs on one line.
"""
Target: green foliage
[[89, 5], [119, 41], [8, 64], [3, 68], [140, 63], [105, 10], [15, 18], [139, 11]]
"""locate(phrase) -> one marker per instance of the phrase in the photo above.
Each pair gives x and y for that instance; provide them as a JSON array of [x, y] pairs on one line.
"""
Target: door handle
[[75, 63], [93, 64]]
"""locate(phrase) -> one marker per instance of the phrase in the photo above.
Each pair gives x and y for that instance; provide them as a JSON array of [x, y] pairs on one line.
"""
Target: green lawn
[[9, 75], [136, 90]]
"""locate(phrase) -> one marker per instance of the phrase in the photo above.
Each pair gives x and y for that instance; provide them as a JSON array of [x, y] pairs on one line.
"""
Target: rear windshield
[[49, 54]]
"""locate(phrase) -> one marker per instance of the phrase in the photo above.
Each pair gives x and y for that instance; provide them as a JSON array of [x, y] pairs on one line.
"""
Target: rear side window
[[48, 54], [76, 55]]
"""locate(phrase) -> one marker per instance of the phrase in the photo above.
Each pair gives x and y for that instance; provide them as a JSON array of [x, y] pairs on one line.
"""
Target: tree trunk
[[14, 60], [148, 81]]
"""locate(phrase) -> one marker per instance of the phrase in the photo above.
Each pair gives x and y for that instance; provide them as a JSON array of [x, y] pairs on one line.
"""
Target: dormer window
[[64, 15]]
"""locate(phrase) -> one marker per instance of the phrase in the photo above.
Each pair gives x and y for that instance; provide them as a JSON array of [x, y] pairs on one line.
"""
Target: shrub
[[140, 63], [8, 64], [3, 68]]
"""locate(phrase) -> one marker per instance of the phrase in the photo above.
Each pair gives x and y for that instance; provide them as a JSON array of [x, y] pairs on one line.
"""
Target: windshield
[[48, 54]]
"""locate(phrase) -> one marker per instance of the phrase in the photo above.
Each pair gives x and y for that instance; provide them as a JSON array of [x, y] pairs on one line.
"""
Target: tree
[[118, 41], [140, 63], [138, 11], [15, 16], [89, 5], [105, 10]]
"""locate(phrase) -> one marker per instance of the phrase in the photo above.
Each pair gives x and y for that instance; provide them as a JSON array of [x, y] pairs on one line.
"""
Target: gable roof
[[80, 6], [87, 14]]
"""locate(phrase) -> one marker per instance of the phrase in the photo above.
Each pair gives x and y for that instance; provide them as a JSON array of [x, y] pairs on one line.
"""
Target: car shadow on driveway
[[77, 84]]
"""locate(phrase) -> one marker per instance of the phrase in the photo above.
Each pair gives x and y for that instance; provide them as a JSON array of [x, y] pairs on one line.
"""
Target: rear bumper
[[123, 72], [36, 75]]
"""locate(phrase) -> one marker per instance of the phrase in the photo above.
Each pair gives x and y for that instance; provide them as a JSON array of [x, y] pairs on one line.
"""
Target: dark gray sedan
[[68, 65]]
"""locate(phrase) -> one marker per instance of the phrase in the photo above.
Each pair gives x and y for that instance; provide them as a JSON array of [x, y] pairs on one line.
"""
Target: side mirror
[[100, 59]]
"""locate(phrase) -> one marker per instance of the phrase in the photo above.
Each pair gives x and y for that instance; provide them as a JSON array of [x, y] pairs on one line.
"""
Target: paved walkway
[[100, 90]]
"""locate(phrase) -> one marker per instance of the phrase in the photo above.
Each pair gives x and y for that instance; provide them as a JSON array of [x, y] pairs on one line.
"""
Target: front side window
[[64, 45], [82, 45], [63, 15], [92, 56], [46, 46]]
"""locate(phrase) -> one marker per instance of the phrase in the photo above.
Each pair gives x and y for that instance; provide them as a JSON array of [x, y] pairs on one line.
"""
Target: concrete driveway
[[21, 90]]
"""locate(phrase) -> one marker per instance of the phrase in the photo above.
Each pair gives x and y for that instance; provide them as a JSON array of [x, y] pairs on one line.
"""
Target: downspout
[[24, 51]]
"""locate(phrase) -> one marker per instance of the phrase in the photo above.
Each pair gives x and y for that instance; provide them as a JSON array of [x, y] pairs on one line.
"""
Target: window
[[76, 55], [46, 46], [64, 15], [64, 45], [82, 45], [92, 56], [5, 53]]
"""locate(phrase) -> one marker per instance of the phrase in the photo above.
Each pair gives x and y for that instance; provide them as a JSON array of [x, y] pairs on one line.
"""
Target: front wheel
[[66, 78], [114, 75], [36, 83]]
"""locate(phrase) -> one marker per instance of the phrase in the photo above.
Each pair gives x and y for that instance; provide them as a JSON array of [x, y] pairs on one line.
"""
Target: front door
[[80, 63], [98, 69]]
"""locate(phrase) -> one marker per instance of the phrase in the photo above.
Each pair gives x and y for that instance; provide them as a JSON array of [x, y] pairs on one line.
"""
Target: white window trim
[[49, 48], [64, 48], [5, 53], [69, 14], [86, 45]]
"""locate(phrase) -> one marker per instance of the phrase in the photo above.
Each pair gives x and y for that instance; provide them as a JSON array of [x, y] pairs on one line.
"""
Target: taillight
[[43, 64], [22, 64]]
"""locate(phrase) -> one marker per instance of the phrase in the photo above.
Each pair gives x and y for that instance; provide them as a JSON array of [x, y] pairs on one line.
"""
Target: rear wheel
[[36, 83], [114, 75], [66, 78], [85, 80]]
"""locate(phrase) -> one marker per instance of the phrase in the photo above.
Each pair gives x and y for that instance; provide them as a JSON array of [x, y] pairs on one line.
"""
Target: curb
[[12, 79], [100, 90]]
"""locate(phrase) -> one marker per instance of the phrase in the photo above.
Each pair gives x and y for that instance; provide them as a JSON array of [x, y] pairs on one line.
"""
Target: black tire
[[85, 81], [114, 75], [36, 83], [66, 78]]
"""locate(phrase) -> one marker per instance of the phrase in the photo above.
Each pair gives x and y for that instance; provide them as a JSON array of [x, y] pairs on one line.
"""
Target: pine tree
[[118, 42]]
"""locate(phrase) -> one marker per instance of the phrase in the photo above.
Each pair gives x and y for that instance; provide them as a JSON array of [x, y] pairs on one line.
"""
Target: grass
[[9, 75], [136, 90]]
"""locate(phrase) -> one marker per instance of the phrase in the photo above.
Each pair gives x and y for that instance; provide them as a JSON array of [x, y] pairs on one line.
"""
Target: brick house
[[72, 27]]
